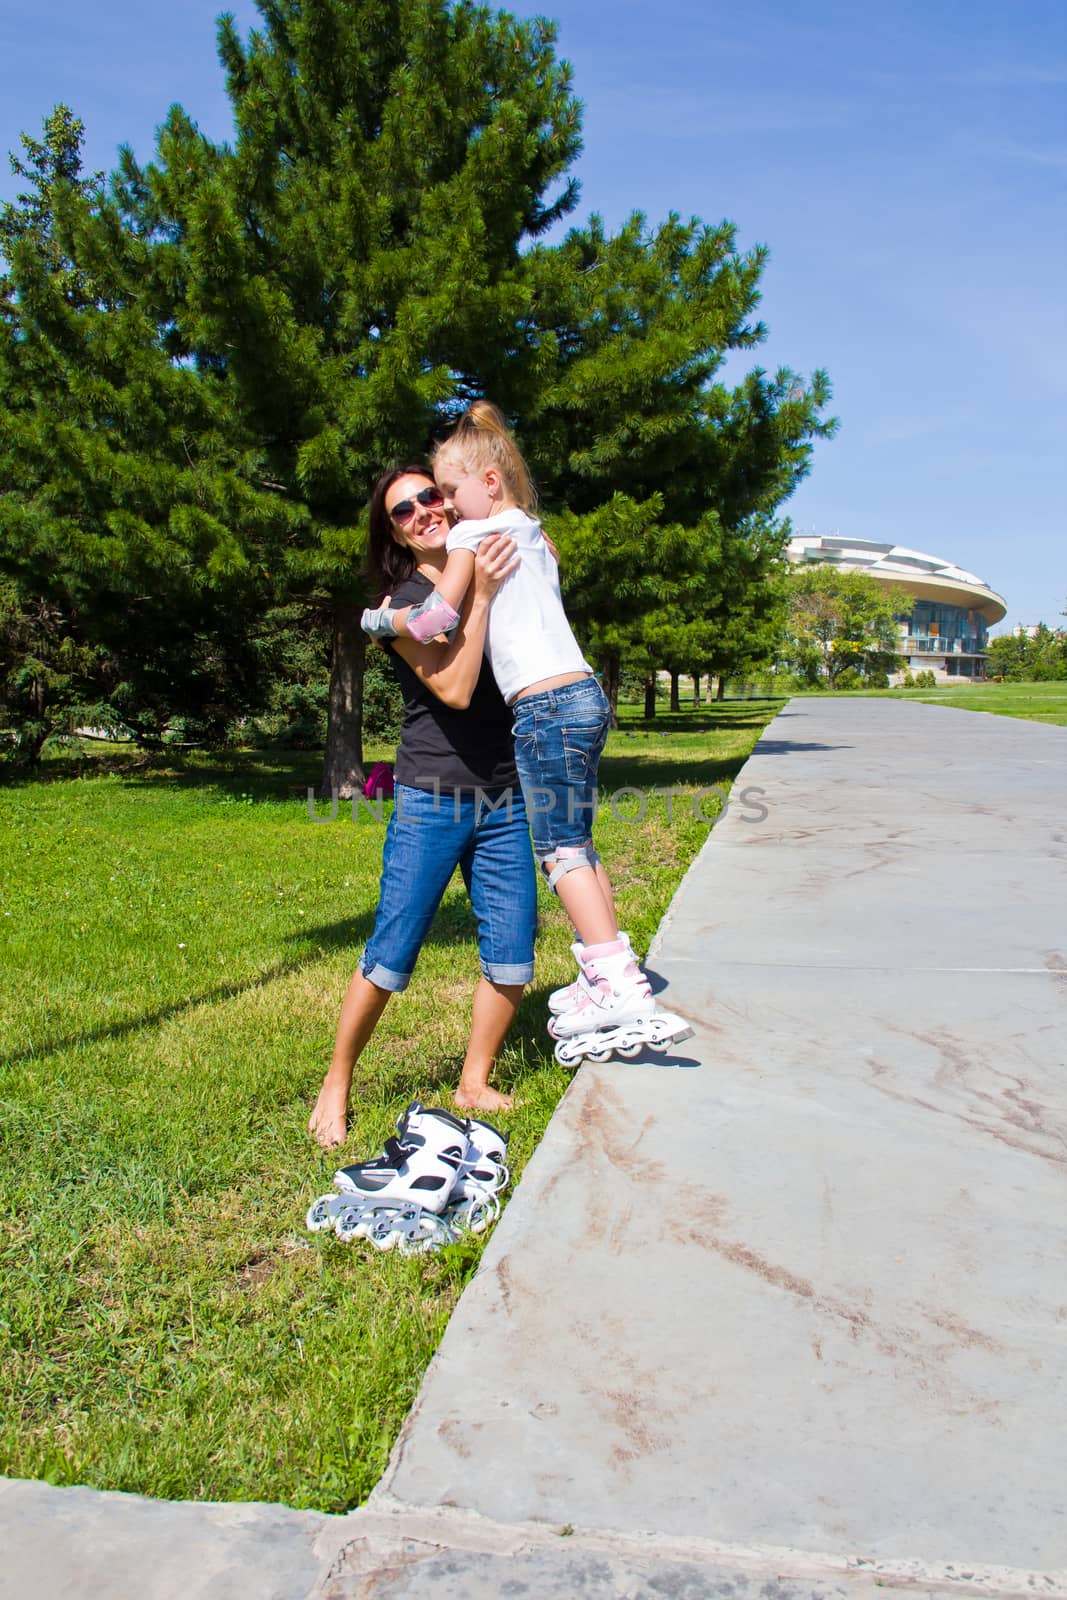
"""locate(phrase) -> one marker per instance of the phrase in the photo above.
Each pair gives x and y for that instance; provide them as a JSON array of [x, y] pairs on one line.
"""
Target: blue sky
[[906, 165]]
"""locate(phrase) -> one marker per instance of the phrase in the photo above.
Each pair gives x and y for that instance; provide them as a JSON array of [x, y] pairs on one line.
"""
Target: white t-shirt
[[528, 637]]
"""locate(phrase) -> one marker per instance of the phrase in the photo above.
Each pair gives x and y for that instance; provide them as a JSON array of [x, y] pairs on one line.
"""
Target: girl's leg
[[495, 1005], [585, 893], [361, 1012], [607, 891], [587, 899]]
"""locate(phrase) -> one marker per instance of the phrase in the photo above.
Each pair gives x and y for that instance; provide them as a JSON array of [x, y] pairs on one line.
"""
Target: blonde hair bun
[[482, 439]]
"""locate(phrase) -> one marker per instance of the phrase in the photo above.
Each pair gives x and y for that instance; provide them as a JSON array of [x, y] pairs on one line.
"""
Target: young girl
[[561, 714]]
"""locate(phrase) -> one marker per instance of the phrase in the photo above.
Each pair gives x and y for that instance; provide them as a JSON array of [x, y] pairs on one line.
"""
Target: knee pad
[[566, 858]]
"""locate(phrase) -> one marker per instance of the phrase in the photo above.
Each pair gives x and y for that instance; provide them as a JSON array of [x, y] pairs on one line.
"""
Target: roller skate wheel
[[409, 1229], [362, 1219], [430, 1233], [419, 1246], [629, 1051], [473, 1216], [351, 1223], [676, 1032], [320, 1215]]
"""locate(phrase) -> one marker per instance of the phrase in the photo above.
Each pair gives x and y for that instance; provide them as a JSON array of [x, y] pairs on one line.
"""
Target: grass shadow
[[636, 771], [272, 774], [352, 931], [720, 718]]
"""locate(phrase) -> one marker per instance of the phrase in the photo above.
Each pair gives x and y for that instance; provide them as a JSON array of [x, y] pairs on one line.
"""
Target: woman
[[458, 803]]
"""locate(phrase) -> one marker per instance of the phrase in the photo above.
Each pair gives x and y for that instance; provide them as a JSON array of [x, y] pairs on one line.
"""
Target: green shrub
[[383, 706]]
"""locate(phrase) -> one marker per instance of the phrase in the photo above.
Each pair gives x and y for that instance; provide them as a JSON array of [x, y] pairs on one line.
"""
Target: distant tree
[[750, 615], [1030, 658], [1009, 657], [616, 568], [839, 622], [725, 617]]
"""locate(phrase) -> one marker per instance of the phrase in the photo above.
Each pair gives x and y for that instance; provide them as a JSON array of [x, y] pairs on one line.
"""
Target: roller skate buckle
[[627, 1040]]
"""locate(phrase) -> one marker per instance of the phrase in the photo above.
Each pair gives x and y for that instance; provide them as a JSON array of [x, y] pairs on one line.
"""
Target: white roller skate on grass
[[437, 1179], [615, 1014], [473, 1203]]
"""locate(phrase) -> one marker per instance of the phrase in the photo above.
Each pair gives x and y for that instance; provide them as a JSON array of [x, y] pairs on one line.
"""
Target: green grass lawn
[[1036, 702], [175, 941]]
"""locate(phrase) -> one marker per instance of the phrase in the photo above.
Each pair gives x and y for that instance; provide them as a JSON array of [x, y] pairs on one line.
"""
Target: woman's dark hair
[[388, 563]]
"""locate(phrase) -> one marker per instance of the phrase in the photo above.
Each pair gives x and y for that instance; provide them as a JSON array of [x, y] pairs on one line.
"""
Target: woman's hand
[[495, 560]]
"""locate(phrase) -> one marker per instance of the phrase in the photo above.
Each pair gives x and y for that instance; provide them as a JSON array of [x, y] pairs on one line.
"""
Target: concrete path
[[783, 1316]]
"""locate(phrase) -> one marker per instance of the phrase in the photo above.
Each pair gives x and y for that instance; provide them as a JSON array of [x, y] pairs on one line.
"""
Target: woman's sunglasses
[[404, 510]]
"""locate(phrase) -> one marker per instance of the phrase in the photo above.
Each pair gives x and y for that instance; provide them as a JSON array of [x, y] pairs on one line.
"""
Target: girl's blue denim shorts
[[486, 835], [559, 737]]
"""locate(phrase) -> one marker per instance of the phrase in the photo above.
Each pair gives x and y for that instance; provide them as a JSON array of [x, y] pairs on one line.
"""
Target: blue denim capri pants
[[486, 835], [559, 738]]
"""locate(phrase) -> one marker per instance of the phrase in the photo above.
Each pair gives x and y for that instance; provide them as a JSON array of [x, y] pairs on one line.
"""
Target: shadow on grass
[[637, 771], [722, 718], [312, 941], [281, 775], [241, 775], [527, 1054], [454, 924]]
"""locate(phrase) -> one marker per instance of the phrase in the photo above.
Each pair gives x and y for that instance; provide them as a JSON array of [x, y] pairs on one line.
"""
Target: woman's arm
[[451, 670]]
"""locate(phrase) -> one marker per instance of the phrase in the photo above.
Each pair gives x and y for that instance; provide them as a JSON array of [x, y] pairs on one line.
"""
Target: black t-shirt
[[469, 749]]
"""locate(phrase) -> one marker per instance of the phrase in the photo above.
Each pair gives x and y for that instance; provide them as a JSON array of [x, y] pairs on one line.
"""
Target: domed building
[[945, 612]]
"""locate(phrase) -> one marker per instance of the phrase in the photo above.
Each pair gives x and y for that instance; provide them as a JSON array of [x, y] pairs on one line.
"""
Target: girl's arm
[[452, 585], [451, 670], [436, 616]]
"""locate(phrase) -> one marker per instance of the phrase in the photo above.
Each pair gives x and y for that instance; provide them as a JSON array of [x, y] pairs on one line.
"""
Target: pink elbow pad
[[433, 616]]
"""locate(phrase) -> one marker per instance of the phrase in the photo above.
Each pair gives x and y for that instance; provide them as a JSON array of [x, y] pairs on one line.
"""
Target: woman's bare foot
[[328, 1122], [479, 1097]]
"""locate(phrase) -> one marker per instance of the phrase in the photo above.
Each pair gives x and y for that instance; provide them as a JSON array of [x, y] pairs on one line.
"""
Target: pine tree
[[263, 327], [130, 514], [342, 268], [613, 375], [616, 387], [49, 675]]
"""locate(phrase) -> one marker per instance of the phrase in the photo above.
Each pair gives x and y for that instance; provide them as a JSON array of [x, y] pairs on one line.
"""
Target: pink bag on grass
[[379, 783]]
